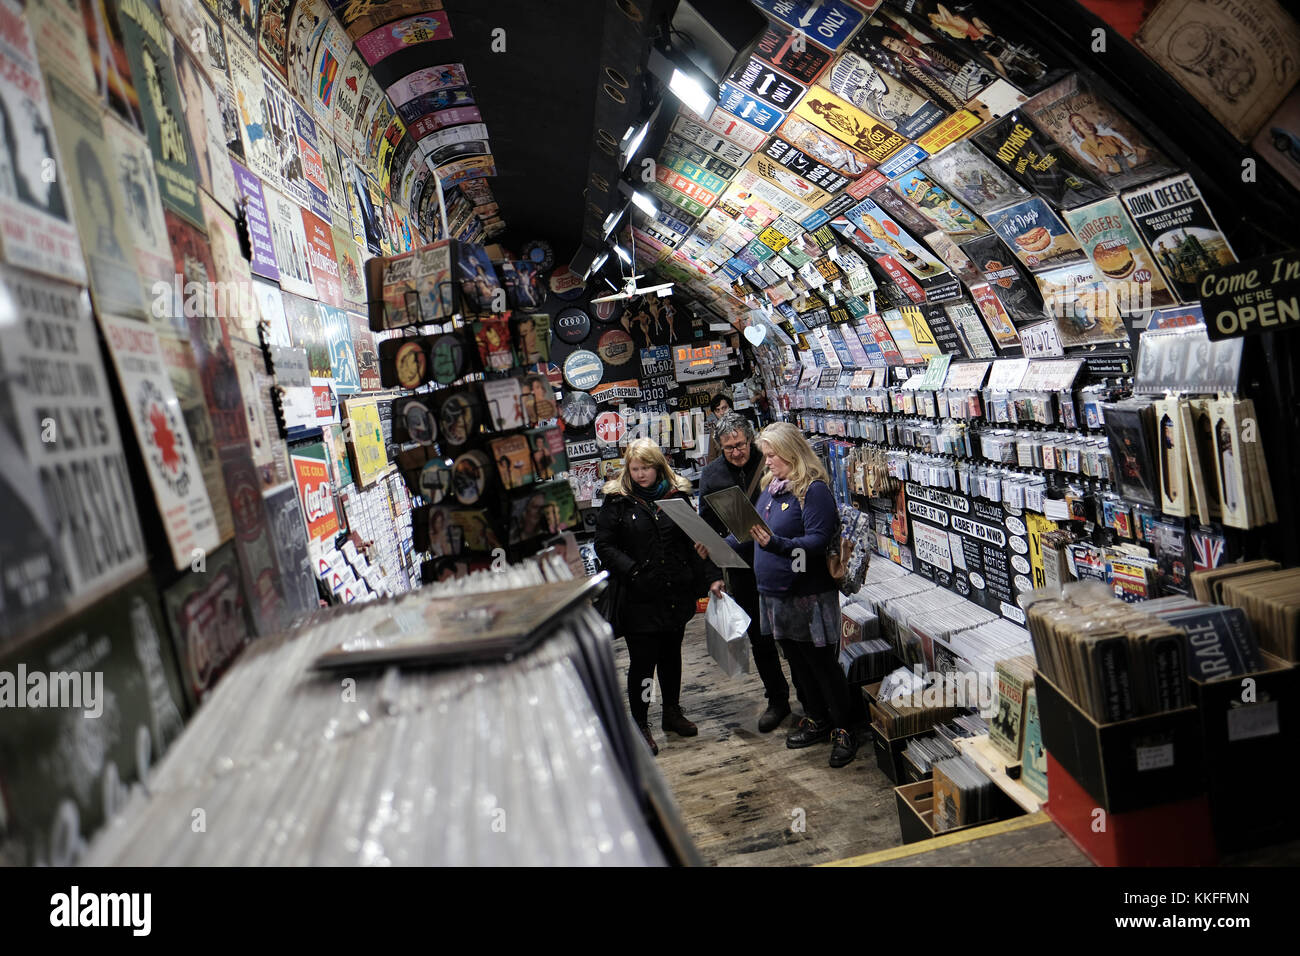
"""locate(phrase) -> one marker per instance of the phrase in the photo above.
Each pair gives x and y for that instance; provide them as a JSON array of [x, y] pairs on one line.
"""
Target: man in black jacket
[[741, 465]]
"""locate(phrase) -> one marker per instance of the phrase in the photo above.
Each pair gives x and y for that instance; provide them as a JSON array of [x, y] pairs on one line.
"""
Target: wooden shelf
[[994, 763]]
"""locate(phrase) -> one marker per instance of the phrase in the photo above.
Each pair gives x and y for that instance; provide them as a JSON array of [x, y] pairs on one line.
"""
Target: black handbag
[[609, 604]]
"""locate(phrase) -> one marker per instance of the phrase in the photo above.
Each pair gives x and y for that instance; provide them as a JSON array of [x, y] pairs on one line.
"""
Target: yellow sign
[[773, 239], [1037, 526], [921, 334], [365, 437], [849, 124], [949, 131]]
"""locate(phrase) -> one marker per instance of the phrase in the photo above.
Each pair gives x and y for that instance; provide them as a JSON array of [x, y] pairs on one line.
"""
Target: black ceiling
[[538, 99]]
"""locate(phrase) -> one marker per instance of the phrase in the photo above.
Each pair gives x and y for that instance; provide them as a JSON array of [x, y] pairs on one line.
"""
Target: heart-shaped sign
[[755, 334]]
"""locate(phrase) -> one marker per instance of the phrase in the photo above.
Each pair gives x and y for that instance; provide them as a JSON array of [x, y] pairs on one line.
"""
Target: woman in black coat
[[661, 577]]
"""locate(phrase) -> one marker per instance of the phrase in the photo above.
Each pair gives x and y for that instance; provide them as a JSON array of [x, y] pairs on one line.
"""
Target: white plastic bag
[[726, 627]]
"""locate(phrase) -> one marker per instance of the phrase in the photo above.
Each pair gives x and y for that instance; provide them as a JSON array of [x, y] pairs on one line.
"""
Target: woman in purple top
[[798, 599]]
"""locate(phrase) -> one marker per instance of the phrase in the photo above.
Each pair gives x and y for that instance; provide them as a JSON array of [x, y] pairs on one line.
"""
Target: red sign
[[609, 428], [324, 260], [868, 183], [312, 474]]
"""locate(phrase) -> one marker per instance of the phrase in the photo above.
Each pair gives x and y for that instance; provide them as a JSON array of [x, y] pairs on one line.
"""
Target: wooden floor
[[747, 800]]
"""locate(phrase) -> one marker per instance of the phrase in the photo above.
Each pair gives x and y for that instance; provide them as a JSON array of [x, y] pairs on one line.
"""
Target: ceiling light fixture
[[687, 81]]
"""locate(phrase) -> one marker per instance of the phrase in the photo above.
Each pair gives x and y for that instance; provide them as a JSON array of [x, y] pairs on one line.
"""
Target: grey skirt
[[809, 618]]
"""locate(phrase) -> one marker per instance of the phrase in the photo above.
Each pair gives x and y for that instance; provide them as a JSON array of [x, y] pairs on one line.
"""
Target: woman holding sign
[[660, 575], [799, 601]]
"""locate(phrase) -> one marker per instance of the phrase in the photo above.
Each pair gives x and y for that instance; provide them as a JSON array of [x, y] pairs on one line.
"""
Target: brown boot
[[676, 721], [650, 741]]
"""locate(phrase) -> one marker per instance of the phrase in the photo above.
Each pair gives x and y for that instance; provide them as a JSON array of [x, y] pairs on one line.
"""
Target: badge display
[[460, 418], [572, 326], [448, 358], [583, 370], [539, 252], [606, 311], [615, 347], [469, 476], [411, 364], [435, 481], [578, 410], [420, 424]]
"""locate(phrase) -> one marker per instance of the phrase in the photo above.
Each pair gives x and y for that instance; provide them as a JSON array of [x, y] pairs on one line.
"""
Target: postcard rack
[[523, 761]]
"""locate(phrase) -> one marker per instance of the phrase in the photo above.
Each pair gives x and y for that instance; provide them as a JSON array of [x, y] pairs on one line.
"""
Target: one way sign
[[829, 22]]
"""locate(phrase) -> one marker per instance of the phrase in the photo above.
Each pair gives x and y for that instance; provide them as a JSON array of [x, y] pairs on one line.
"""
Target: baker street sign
[[1262, 295]]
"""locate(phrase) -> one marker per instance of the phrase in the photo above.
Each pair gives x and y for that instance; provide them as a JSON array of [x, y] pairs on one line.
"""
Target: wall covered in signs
[[185, 302]]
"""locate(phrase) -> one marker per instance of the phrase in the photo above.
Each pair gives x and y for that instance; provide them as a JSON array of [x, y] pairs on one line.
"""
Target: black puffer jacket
[[656, 563]]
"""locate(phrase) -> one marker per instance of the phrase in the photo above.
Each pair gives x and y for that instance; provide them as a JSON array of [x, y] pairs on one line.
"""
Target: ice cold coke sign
[[970, 546]]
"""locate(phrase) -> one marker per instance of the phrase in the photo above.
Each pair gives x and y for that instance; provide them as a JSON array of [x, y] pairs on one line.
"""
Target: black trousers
[[744, 588], [819, 679], [647, 653]]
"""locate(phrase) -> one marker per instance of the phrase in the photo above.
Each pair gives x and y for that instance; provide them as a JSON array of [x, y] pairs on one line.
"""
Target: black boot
[[844, 747], [772, 717], [649, 739], [676, 721], [807, 733]]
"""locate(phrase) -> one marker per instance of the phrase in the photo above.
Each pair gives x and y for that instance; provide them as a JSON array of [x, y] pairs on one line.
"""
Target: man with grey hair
[[740, 465]]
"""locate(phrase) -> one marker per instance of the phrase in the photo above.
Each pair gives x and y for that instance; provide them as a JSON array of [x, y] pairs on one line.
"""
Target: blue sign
[[753, 111], [818, 218], [902, 161], [829, 22]]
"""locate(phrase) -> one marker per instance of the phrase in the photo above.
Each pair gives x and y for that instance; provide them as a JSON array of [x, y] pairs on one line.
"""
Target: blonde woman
[[661, 576], [798, 599]]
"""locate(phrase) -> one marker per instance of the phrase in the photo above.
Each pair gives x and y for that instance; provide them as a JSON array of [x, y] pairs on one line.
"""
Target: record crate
[[1127, 764], [1178, 833], [1250, 725], [889, 750], [915, 803]]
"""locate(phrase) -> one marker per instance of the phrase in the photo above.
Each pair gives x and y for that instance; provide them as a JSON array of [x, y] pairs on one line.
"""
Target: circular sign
[[435, 481], [615, 347], [578, 409], [411, 364], [609, 428], [606, 311], [977, 580], [459, 419], [1015, 525], [1020, 564], [539, 252], [572, 326], [420, 425], [566, 284], [447, 356], [1019, 546], [1023, 583], [583, 370], [469, 477]]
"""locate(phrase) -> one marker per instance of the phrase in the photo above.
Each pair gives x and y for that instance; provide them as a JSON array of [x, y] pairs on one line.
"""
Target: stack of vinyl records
[[926, 751], [509, 763], [1112, 659], [864, 661], [979, 649], [963, 725], [896, 613], [963, 794], [941, 624]]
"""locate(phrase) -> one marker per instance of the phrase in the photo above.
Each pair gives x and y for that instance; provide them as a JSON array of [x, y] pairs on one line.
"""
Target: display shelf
[[990, 760]]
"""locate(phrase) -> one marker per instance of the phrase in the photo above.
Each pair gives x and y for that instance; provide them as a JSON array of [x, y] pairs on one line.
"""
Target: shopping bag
[[726, 628]]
